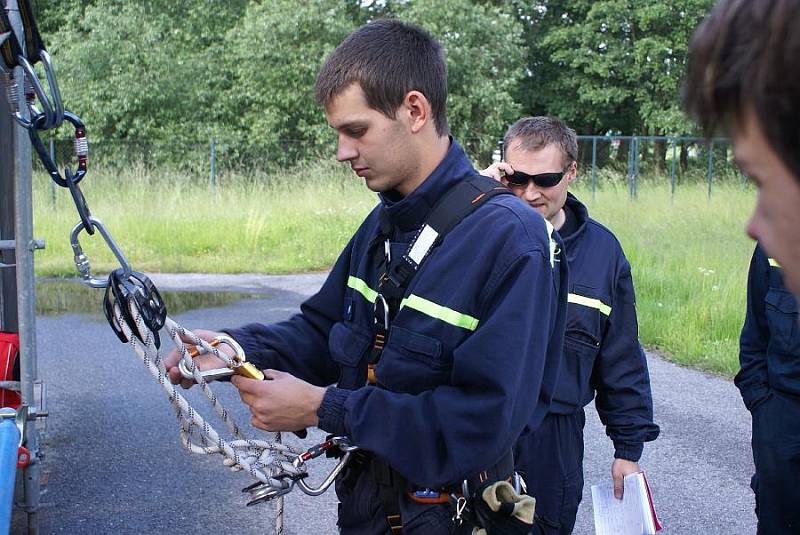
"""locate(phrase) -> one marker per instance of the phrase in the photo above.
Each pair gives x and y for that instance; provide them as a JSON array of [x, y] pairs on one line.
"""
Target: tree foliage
[[177, 73]]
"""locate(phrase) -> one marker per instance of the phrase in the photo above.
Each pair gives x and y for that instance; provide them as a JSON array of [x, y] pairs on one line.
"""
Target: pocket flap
[[414, 342], [781, 300], [348, 344]]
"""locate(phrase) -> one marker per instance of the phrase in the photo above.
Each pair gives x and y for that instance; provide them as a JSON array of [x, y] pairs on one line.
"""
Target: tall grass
[[688, 252], [165, 221]]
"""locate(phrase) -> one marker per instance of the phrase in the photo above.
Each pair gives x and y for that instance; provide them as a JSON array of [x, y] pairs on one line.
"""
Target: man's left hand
[[619, 469], [281, 402]]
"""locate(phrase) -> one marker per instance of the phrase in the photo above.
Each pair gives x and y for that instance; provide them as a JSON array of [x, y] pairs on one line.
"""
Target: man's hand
[[204, 362], [619, 469], [281, 402], [497, 170]]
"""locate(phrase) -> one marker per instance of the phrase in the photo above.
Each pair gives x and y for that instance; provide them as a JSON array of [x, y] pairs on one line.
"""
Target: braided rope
[[263, 459]]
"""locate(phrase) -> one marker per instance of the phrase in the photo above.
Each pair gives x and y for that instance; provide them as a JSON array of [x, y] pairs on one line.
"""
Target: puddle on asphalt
[[54, 297]]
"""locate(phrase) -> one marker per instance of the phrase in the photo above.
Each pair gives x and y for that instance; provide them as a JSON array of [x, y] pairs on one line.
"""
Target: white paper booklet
[[634, 514]]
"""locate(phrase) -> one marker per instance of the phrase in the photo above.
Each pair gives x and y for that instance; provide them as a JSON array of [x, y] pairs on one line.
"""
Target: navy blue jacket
[[769, 346], [602, 354], [473, 352]]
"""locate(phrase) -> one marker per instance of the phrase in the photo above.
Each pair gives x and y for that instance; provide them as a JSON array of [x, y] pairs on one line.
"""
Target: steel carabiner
[[82, 261], [343, 443]]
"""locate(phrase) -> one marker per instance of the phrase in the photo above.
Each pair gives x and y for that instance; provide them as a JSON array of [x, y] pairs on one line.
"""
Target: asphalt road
[[114, 462]]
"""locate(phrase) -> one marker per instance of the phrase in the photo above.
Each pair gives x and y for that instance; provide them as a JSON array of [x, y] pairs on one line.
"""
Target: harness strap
[[395, 276], [392, 485]]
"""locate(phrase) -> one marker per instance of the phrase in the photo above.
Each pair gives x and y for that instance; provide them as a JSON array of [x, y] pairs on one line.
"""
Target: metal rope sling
[[134, 307]]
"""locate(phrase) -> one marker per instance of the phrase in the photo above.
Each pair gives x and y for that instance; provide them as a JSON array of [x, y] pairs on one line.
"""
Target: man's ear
[[573, 172], [417, 109]]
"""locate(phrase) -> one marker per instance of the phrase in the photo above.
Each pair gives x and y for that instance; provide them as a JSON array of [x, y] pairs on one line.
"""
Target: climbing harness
[[134, 307]]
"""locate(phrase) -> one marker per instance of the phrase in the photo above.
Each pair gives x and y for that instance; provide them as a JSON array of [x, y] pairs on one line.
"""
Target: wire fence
[[636, 161]]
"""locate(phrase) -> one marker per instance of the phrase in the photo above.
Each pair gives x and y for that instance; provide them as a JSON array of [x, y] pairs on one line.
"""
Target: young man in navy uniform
[[769, 380], [602, 356], [434, 382]]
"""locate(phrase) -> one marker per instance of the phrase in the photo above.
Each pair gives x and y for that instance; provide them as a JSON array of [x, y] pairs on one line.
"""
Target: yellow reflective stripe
[[447, 315], [362, 288], [589, 302], [774, 263]]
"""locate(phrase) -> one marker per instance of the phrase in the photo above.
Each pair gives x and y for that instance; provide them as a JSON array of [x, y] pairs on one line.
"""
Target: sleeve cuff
[[630, 451], [331, 411]]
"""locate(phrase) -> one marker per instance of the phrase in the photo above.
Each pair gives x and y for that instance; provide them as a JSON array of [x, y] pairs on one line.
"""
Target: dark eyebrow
[[355, 125]]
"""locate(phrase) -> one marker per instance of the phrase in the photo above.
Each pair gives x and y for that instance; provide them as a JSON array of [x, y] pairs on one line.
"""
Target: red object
[[9, 352], [23, 457]]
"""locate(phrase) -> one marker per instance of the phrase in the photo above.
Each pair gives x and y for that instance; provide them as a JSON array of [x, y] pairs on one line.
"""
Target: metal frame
[[24, 247]]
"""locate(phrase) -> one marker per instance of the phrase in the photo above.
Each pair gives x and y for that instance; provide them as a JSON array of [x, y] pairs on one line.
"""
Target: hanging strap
[[10, 49]]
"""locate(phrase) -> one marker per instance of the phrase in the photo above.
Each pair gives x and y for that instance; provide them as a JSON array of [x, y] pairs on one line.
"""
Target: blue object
[[9, 448]]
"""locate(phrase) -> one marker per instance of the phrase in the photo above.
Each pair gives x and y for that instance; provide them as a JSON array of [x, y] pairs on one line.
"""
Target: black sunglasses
[[543, 180]]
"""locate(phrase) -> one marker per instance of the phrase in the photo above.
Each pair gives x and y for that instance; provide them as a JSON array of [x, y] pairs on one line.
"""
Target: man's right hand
[[206, 361], [498, 170]]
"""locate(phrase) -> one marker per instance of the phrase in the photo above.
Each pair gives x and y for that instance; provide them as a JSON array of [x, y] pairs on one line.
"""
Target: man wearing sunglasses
[[602, 357]]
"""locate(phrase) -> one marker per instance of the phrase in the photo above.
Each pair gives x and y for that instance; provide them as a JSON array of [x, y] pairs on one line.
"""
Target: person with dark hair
[[442, 320], [602, 357], [769, 380], [744, 77]]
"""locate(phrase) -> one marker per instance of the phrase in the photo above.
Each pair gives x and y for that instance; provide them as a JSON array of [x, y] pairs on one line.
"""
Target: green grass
[[167, 222], [689, 254]]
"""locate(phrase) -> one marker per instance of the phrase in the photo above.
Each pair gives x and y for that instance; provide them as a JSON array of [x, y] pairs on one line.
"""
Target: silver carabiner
[[385, 306], [326, 484], [33, 79], [55, 92], [208, 375], [82, 261]]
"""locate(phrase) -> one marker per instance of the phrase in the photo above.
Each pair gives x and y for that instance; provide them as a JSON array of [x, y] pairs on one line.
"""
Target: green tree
[[485, 59], [272, 60]]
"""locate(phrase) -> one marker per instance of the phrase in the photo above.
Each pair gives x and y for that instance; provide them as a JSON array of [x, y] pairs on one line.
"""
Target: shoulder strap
[[460, 201]]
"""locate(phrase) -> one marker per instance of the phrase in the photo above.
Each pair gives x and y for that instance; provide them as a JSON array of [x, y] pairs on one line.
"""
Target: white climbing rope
[[265, 460]]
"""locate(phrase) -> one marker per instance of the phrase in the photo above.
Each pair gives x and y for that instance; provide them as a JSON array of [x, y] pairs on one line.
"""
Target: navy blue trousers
[[776, 452], [550, 460]]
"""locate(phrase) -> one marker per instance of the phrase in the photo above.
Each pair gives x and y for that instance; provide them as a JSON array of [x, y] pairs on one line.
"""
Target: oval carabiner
[[82, 261]]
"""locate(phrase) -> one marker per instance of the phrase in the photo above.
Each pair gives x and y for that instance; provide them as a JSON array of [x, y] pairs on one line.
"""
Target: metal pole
[[674, 158], [52, 184], [594, 166], [26, 289], [213, 176], [710, 172]]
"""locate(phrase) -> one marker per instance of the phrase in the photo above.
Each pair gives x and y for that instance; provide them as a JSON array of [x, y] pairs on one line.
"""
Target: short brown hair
[[745, 54], [534, 133], [388, 58]]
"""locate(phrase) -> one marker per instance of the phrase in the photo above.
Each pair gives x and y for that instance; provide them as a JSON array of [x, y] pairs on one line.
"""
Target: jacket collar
[[581, 213], [411, 211]]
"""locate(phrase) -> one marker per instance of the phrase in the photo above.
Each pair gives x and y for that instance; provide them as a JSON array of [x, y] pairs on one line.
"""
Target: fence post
[[674, 161], [710, 164], [52, 184], [213, 175]]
